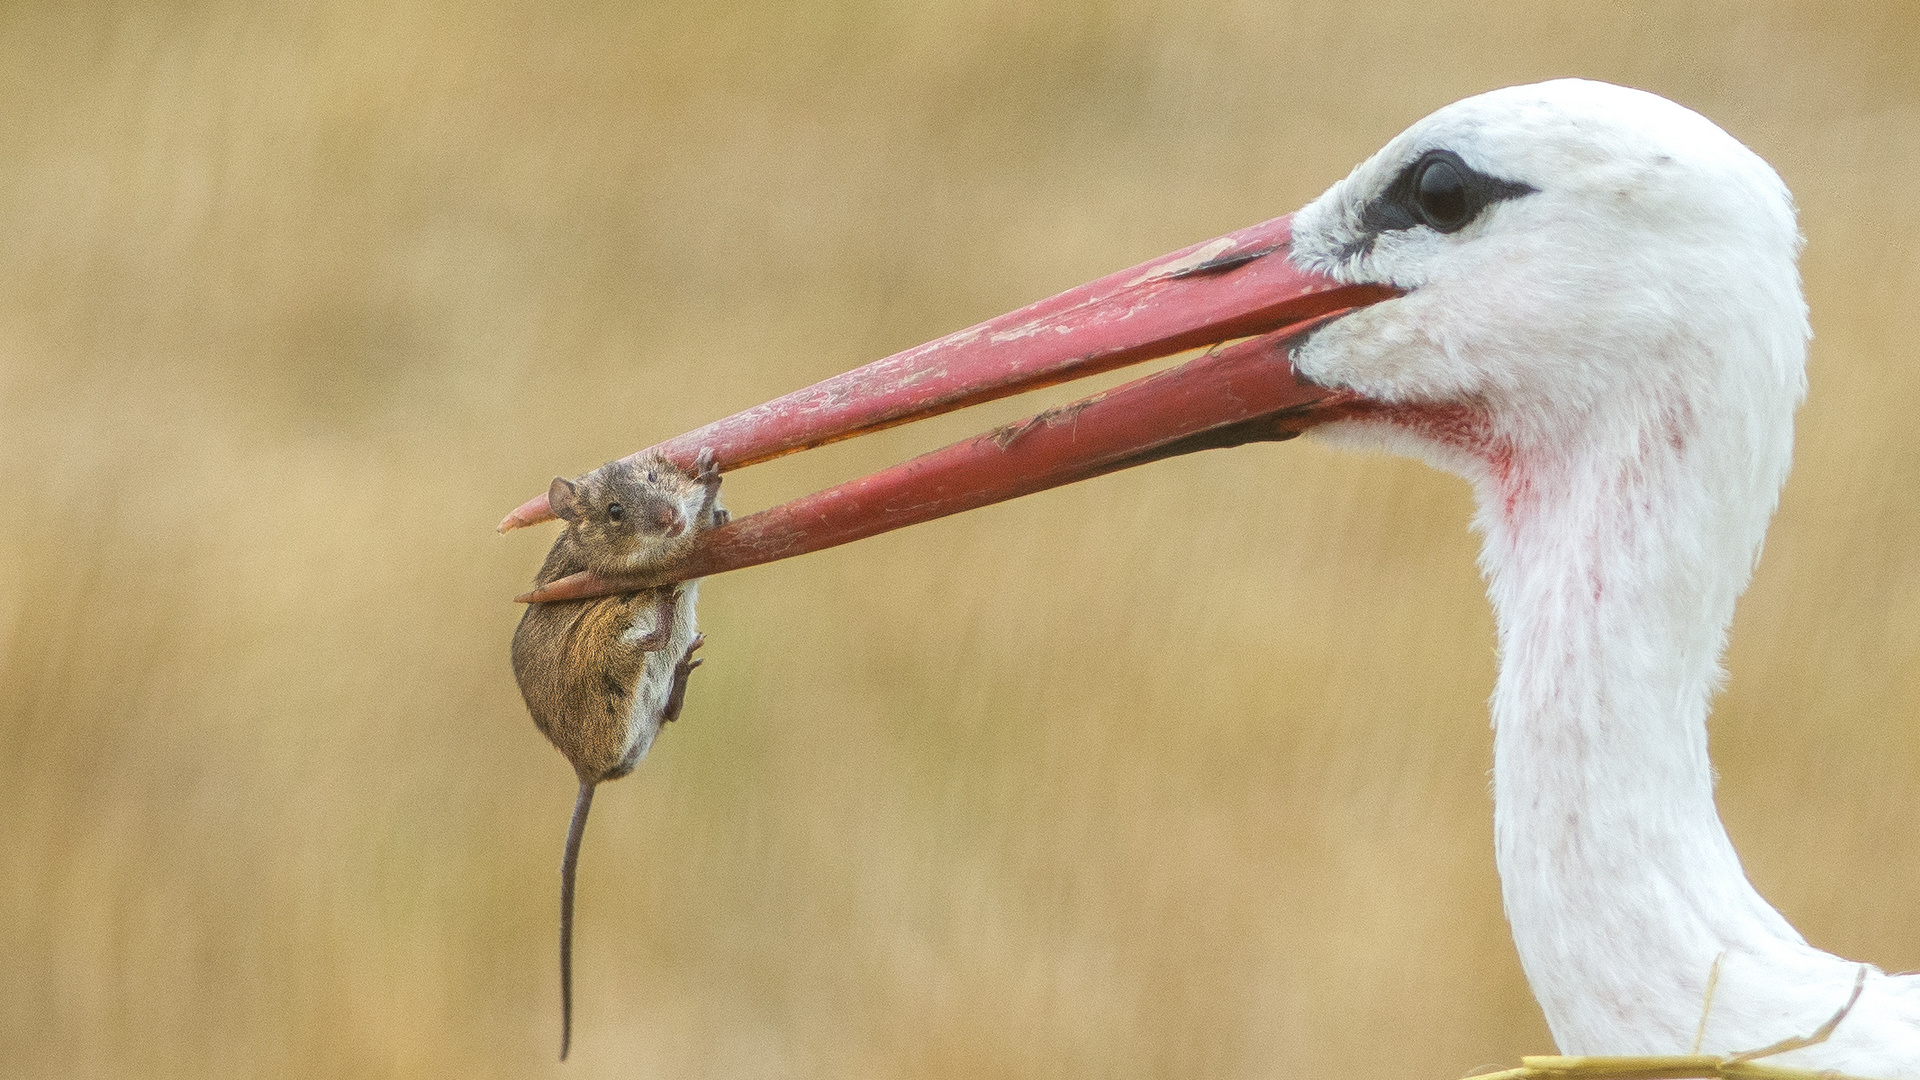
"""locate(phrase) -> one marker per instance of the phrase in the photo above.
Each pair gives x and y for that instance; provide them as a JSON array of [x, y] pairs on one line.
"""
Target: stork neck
[[1613, 578]]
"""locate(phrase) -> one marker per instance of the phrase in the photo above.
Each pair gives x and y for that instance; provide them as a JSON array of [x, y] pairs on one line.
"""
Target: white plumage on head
[[1603, 332]]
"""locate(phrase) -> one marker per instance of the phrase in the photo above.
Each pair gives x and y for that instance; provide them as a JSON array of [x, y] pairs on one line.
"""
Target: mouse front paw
[[651, 641], [707, 473], [706, 468]]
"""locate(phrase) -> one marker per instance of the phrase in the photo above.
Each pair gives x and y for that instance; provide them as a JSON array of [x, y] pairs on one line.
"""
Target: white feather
[[1613, 362]]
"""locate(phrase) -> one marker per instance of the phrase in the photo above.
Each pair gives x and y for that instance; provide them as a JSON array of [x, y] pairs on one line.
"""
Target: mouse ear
[[564, 498]]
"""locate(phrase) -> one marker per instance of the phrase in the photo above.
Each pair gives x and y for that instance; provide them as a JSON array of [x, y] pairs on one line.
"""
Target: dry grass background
[[1177, 774]]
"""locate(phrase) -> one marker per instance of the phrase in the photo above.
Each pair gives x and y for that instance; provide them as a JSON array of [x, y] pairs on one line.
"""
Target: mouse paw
[[678, 697], [706, 468], [661, 632], [708, 475]]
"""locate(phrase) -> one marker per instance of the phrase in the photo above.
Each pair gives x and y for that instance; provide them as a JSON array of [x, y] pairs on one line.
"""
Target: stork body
[[1613, 361]]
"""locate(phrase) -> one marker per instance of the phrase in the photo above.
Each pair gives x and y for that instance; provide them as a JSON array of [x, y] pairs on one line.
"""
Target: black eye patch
[[1439, 191]]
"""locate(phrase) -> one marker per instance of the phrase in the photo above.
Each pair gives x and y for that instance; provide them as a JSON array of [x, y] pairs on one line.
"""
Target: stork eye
[[615, 512], [1440, 194], [1439, 191]]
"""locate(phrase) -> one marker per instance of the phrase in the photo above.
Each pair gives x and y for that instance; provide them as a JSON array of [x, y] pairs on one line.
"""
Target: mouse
[[601, 675]]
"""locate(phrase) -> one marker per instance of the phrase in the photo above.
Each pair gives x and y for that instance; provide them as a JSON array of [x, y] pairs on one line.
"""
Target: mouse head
[[626, 515]]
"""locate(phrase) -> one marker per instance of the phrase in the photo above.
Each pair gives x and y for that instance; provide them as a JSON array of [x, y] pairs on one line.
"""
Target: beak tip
[[532, 512]]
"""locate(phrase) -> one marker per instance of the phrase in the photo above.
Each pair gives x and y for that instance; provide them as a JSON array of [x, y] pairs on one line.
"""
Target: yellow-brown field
[[1178, 774]]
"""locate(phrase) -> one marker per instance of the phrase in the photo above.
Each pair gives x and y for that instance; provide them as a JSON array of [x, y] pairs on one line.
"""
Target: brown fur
[[578, 669], [576, 672]]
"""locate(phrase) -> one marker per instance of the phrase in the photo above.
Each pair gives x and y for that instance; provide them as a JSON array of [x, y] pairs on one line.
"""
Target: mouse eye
[[652, 477], [615, 512]]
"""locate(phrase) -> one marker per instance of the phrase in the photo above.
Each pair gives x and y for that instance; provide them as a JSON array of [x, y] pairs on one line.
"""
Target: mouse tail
[[568, 863]]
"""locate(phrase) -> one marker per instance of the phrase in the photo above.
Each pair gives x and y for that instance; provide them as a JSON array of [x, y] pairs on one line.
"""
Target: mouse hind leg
[[677, 697], [661, 601]]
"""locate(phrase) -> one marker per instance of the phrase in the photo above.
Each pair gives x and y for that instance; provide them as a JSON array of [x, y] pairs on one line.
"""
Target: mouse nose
[[661, 516]]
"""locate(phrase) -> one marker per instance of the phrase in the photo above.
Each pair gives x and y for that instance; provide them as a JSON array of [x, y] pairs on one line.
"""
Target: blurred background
[[1180, 773]]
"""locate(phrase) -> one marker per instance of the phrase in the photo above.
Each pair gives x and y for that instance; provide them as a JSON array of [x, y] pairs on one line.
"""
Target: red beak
[[1238, 286]]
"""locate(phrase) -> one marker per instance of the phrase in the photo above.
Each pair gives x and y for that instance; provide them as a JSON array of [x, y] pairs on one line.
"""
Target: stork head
[[1588, 270], [1529, 284]]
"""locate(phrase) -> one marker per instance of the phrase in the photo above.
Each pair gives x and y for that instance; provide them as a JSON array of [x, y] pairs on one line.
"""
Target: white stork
[[1581, 298]]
